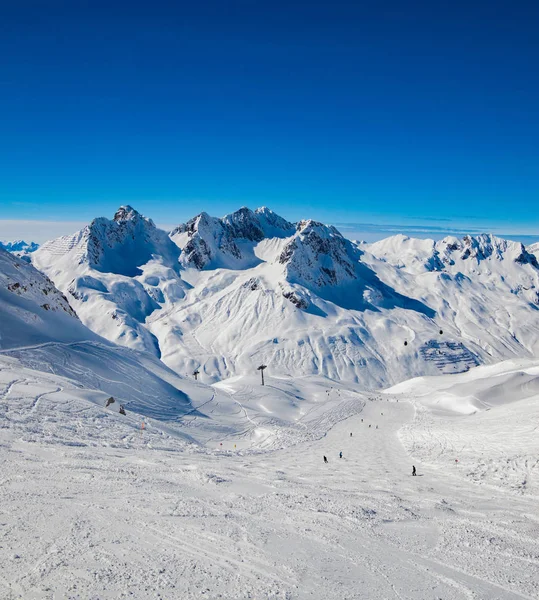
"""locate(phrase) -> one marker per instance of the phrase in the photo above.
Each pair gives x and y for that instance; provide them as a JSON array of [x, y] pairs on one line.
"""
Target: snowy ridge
[[209, 242], [31, 308]]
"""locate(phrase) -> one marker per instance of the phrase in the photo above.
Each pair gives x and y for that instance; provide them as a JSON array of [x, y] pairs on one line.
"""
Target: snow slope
[[473, 418], [116, 512], [39, 328]]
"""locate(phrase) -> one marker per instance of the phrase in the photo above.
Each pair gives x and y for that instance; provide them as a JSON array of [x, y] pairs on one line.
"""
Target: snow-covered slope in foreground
[[91, 506], [468, 422]]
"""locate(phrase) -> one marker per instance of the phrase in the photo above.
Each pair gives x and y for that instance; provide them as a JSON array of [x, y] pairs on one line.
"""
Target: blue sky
[[420, 115]]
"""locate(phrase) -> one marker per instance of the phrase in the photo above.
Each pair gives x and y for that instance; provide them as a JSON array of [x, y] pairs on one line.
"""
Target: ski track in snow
[[130, 514]]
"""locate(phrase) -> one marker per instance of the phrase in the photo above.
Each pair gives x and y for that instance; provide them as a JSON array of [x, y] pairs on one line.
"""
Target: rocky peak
[[273, 224], [120, 245], [127, 213], [244, 224], [319, 255], [217, 241]]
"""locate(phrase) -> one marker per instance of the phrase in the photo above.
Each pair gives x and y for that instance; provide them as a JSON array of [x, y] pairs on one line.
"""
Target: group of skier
[[414, 472]]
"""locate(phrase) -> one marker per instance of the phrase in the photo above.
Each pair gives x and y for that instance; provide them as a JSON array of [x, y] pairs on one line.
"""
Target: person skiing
[[413, 470], [350, 434], [325, 459], [340, 454]]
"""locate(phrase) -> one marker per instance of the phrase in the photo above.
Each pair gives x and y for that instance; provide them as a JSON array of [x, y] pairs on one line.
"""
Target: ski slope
[[114, 511], [474, 418]]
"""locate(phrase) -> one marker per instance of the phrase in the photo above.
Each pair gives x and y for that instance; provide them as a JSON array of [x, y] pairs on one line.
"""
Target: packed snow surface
[[93, 505]]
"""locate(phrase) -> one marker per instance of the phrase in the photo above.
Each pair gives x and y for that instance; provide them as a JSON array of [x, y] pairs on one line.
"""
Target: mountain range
[[225, 295]]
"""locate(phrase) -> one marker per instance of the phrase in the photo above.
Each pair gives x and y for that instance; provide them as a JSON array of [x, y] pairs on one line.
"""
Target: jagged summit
[[209, 242], [244, 224], [121, 245], [319, 255], [117, 273], [128, 213]]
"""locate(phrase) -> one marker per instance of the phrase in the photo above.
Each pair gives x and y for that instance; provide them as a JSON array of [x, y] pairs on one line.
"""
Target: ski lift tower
[[261, 369], [196, 373]]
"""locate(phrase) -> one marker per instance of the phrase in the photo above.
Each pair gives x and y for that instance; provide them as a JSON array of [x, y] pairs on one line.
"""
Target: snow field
[[154, 517]]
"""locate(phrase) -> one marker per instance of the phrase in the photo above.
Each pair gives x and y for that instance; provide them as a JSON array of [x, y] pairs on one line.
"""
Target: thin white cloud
[[42, 231], [36, 231], [372, 232]]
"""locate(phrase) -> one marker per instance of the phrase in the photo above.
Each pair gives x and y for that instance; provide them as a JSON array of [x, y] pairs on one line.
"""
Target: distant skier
[[350, 434], [413, 470], [340, 454], [325, 459]]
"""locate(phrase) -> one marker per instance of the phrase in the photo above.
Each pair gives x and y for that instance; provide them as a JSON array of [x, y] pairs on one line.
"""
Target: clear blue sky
[[350, 112]]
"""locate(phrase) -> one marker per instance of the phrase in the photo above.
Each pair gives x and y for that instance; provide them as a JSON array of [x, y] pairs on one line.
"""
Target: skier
[[340, 454], [350, 434], [325, 459], [413, 470]]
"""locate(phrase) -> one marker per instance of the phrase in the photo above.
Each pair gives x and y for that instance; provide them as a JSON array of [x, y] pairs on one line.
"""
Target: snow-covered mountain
[[20, 248], [116, 273], [41, 331], [224, 295]]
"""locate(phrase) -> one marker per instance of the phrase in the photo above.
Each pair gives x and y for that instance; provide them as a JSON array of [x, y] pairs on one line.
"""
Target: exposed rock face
[[205, 238], [318, 255], [23, 280], [208, 241]]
